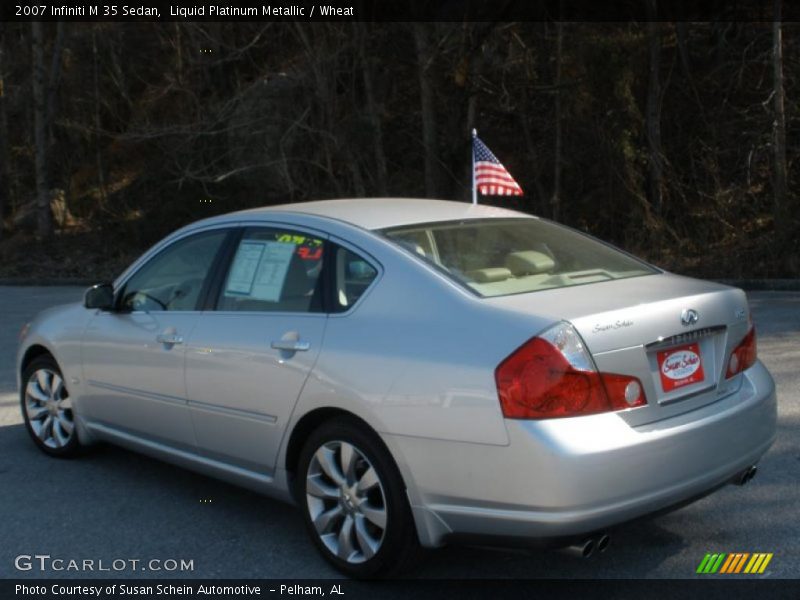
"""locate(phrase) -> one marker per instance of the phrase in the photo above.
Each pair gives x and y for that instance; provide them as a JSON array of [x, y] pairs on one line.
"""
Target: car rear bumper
[[562, 478]]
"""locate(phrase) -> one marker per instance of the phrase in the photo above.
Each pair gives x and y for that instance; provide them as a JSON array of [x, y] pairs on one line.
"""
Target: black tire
[[57, 413], [399, 546]]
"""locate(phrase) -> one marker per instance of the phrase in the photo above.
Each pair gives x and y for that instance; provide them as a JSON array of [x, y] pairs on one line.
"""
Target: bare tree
[[54, 78], [424, 60], [653, 111], [372, 111], [682, 41], [44, 217], [779, 145], [44, 99], [555, 200], [4, 157], [101, 179]]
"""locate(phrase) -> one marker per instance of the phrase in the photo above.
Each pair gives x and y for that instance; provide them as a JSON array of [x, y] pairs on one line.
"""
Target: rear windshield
[[497, 257]]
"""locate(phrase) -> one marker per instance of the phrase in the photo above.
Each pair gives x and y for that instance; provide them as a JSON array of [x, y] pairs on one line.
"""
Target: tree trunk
[[326, 99], [98, 155], [381, 171], [782, 216], [682, 39], [653, 113], [555, 201], [4, 155], [428, 114], [54, 80], [44, 220]]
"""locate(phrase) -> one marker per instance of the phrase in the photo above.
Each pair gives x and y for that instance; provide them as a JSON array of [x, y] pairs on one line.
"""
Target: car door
[[133, 357], [248, 358]]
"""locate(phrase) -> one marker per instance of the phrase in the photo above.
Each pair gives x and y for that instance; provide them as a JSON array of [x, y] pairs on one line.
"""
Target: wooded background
[[675, 141]]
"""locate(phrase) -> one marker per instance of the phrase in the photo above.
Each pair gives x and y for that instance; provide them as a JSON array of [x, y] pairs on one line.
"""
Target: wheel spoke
[[369, 545], [327, 461], [66, 424], [36, 413], [375, 515], [34, 391], [317, 487], [46, 428], [58, 434], [64, 403], [44, 382], [367, 481], [348, 456], [345, 548], [56, 386], [326, 519]]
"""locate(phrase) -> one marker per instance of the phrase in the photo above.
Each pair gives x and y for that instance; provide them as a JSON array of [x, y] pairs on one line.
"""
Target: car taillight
[[744, 355], [553, 375]]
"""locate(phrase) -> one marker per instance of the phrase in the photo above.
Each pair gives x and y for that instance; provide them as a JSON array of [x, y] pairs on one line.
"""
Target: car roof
[[382, 213]]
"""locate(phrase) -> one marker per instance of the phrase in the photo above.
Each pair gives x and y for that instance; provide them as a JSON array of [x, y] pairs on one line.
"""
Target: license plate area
[[680, 366]]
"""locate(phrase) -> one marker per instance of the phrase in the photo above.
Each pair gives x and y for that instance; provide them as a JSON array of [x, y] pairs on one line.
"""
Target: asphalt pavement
[[116, 505]]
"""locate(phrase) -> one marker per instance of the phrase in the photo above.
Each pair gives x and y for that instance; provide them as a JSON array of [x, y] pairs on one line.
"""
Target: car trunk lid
[[674, 333]]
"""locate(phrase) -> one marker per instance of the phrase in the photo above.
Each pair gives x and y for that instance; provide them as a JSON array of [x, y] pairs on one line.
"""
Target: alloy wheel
[[346, 501], [49, 408]]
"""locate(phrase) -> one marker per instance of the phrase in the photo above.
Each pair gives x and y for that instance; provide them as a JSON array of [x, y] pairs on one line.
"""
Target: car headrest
[[413, 246], [490, 274], [529, 262]]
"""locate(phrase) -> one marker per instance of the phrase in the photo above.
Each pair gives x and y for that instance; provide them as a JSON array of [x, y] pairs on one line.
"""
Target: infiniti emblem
[[689, 316]]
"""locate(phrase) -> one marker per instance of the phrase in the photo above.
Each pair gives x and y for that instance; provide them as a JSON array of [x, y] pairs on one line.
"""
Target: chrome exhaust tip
[[751, 472], [602, 542], [745, 476], [582, 549]]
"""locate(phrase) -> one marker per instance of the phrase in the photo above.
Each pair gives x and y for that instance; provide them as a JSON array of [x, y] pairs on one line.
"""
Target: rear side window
[[353, 276], [498, 257], [274, 270], [173, 279]]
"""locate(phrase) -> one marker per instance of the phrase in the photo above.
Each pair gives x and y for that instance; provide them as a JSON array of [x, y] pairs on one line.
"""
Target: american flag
[[491, 177]]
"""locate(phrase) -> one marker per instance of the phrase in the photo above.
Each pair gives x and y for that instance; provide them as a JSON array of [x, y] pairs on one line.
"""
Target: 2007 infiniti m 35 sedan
[[411, 373]]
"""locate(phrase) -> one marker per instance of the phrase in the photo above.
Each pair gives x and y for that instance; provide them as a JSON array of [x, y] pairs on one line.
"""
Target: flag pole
[[474, 189]]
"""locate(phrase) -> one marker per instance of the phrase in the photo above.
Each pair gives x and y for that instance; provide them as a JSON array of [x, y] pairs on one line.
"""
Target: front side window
[[274, 270], [497, 257], [174, 278]]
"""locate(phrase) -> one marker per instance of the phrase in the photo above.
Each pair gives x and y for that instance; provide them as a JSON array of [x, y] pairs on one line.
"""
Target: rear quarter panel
[[416, 356]]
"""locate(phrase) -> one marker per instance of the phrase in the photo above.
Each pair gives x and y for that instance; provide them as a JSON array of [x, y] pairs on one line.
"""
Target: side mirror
[[100, 295]]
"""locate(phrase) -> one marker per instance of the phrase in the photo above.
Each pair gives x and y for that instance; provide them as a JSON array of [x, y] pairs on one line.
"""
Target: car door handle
[[290, 345], [169, 338]]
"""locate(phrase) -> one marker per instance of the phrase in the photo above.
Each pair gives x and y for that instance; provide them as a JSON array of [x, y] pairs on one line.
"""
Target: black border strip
[[403, 10], [708, 587]]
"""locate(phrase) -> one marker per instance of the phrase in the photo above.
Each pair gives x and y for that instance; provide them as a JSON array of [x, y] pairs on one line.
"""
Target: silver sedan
[[411, 373]]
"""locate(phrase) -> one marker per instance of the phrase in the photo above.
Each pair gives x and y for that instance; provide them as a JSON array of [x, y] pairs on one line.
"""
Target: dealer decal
[[680, 366]]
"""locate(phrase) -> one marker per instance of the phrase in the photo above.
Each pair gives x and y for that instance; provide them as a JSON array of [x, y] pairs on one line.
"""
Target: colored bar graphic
[[764, 564], [728, 563], [740, 564], [717, 563], [710, 563], [701, 568], [756, 563]]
